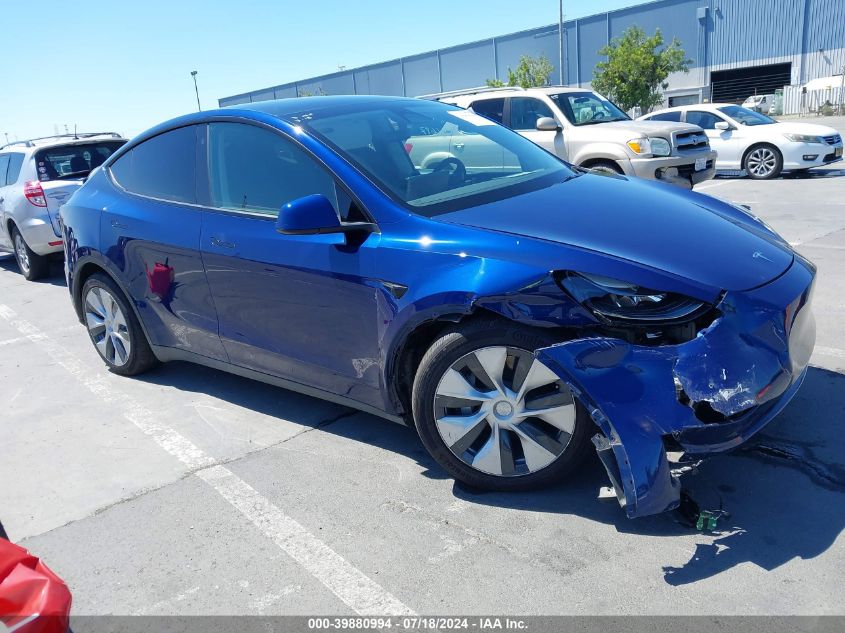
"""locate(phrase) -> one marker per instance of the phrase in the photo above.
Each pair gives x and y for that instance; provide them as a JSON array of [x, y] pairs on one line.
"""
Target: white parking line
[[352, 586], [829, 351], [711, 184]]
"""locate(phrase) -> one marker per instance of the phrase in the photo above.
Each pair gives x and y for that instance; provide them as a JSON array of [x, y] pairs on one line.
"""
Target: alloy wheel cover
[[504, 413]]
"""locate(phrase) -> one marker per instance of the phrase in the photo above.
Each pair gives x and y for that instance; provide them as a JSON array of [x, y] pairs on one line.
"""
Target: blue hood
[[686, 234]]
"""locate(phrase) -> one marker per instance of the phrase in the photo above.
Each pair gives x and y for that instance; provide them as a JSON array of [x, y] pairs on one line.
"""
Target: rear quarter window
[[162, 167], [15, 164]]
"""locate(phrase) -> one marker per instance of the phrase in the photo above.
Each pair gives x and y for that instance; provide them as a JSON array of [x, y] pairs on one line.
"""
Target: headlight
[[804, 138], [660, 146], [640, 145], [612, 299]]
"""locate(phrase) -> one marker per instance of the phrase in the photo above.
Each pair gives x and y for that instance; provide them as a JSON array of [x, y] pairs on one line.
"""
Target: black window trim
[[107, 168], [206, 169]]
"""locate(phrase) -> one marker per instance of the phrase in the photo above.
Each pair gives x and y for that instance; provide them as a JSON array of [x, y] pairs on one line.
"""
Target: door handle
[[117, 225], [221, 243]]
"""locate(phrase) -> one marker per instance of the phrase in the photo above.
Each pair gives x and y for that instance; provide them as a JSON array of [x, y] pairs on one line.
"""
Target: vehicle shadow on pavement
[[784, 489], [55, 278]]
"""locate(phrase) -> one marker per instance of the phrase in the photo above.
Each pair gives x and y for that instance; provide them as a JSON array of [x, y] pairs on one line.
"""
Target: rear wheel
[[113, 327], [32, 265], [492, 415], [763, 162]]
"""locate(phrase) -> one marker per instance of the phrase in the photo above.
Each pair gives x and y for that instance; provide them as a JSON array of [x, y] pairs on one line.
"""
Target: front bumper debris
[[704, 396]]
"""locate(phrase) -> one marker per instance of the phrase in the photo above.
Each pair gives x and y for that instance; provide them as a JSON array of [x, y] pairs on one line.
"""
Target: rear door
[[151, 232]]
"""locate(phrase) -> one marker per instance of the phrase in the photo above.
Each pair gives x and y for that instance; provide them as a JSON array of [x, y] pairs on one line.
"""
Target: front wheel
[[763, 162], [32, 265], [494, 417]]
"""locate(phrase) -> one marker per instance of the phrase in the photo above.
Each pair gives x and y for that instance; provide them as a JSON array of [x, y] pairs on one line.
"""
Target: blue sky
[[125, 66]]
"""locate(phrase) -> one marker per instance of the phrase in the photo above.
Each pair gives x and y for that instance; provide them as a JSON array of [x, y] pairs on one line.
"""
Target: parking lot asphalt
[[191, 491]]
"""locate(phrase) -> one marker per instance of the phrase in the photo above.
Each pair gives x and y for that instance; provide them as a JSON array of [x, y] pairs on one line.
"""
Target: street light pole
[[194, 75], [560, 40]]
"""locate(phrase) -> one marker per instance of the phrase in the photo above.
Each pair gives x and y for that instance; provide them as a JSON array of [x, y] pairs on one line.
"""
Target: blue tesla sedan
[[422, 263]]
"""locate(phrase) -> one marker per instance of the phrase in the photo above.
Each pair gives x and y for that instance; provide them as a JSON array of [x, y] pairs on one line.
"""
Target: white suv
[[36, 177], [583, 128]]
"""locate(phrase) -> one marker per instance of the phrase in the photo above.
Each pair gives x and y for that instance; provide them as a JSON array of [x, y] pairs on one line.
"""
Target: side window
[[256, 170], [4, 166], [666, 116], [526, 110], [162, 167], [491, 108], [704, 120], [15, 164]]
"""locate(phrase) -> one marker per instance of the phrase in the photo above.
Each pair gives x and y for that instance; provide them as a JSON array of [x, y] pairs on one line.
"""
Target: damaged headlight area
[[637, 314]]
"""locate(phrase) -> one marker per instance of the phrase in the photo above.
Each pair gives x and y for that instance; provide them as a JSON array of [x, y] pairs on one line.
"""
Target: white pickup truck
[[581, 127]]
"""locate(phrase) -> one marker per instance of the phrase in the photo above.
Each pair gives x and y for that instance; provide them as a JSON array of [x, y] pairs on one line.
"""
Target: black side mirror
[[315, 215]]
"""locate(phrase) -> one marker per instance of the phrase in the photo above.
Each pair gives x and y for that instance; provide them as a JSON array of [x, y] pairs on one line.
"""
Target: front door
[[300, 307], [524, 114], [728, 143]]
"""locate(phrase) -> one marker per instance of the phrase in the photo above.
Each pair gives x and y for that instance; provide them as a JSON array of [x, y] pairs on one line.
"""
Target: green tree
[[637, 67], [531, 72]]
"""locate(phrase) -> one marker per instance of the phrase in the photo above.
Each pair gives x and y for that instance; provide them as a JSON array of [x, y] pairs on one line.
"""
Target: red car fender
[[32, 598]]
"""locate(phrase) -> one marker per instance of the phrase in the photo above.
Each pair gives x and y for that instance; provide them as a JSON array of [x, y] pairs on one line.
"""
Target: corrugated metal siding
[[536, 43], [744, 30], [676, 18], [470, 65], [739, 33]]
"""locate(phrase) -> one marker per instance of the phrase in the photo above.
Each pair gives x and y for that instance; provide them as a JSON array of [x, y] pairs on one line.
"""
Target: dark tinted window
[[254, 169], [666, 116], [526, 110], [703, 120], [162, 167], [491, 108], [15, 164], [73, 161], [4, 165]]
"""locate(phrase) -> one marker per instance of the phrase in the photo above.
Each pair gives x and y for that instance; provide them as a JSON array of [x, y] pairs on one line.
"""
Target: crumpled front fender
[[708, 395]]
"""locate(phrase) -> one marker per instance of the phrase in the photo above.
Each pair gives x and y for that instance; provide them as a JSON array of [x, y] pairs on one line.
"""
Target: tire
[[113, 327], [32, 265], [763, 162], [499, 451], [606, 167]]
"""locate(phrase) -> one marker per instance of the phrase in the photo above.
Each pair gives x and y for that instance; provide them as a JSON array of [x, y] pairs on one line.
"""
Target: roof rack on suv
[[81, 135], [468, 91]]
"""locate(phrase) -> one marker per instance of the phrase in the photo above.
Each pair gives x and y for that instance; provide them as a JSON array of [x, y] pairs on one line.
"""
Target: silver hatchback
[[37, 176]]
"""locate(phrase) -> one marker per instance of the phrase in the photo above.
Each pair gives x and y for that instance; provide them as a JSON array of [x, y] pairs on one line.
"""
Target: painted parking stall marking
[[344, 580]]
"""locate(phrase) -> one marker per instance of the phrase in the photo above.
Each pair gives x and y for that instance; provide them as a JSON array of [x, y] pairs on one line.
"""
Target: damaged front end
[[704, 395]]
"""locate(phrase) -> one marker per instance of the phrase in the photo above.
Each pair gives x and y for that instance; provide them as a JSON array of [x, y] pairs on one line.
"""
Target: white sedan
[[748, 140]]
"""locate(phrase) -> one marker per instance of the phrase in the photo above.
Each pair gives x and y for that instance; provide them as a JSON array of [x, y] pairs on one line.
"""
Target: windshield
[[434, 158], [587, 108], [745, 116], [73, 161]]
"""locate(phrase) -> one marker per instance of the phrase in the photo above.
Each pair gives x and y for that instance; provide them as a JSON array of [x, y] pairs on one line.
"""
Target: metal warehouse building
[[738, 48]]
